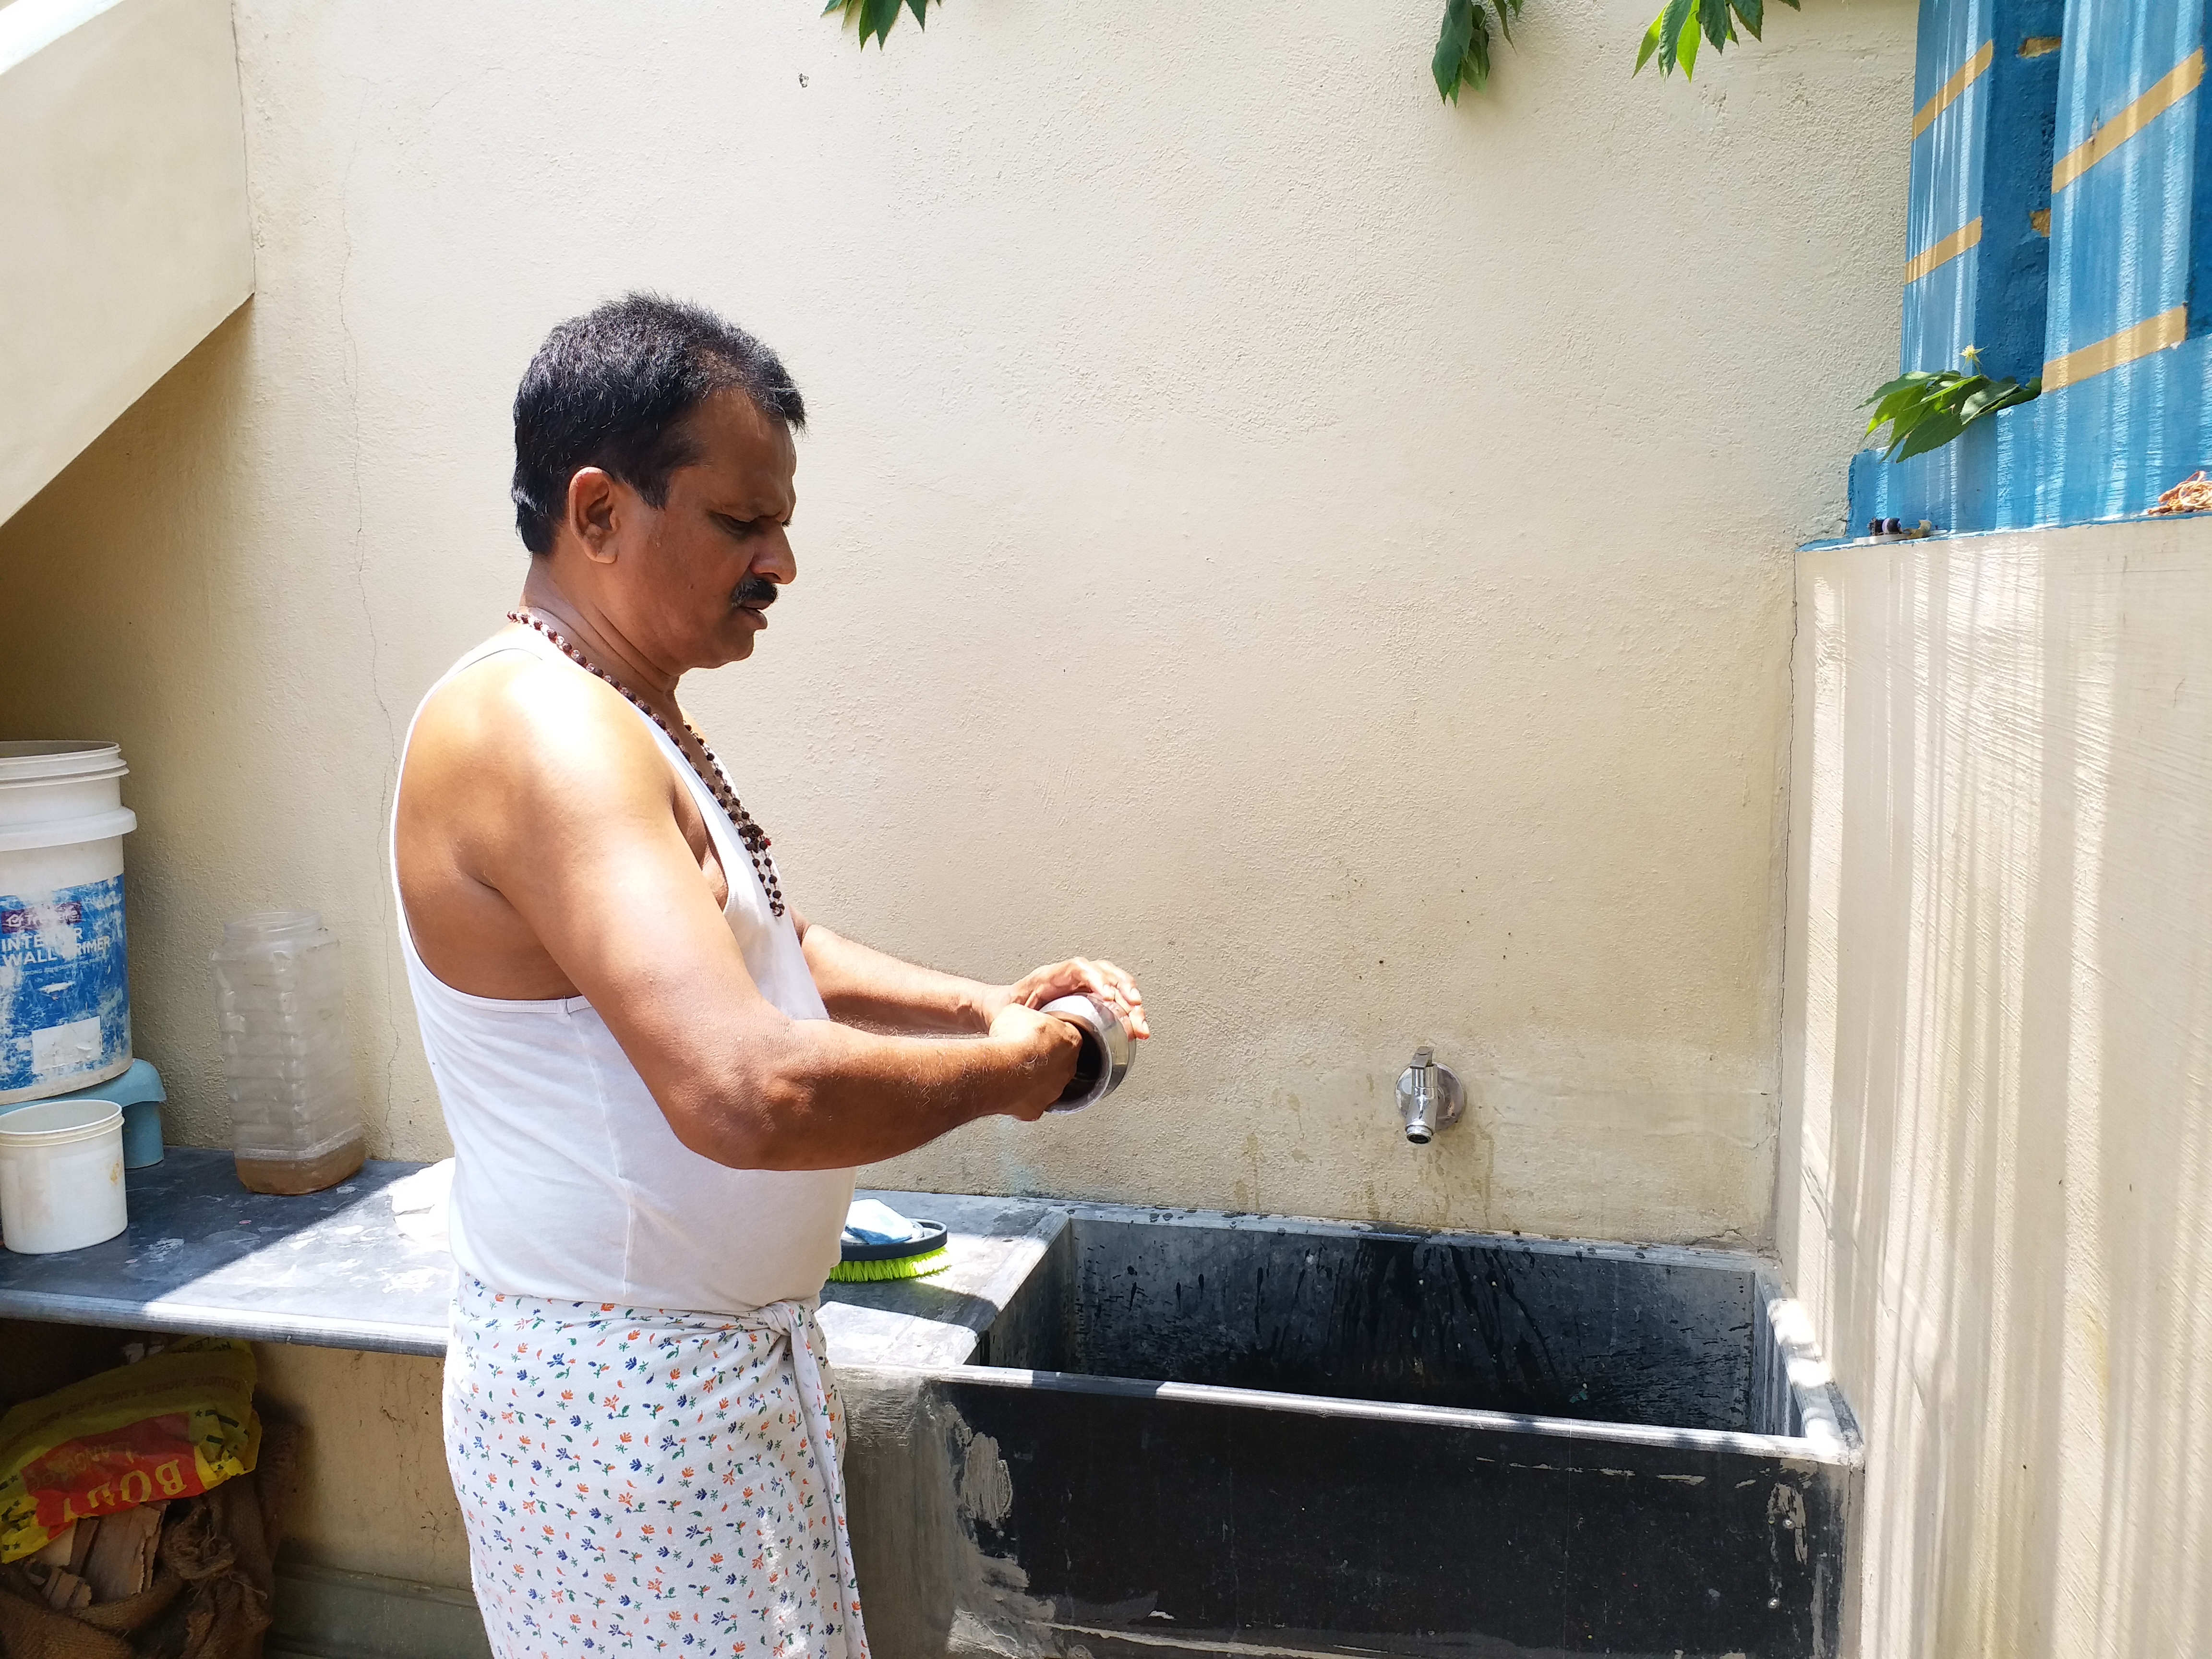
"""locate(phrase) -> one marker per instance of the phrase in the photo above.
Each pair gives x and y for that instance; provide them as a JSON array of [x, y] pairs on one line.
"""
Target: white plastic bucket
[[64, 985], [61, 1175]]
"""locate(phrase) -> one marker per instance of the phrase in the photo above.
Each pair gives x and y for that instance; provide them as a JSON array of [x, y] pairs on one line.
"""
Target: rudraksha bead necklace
[[755, 838]]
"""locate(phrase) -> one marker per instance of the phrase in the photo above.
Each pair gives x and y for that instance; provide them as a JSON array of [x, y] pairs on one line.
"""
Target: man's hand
[[1054, 1042], [863, 986], [1080, 976]]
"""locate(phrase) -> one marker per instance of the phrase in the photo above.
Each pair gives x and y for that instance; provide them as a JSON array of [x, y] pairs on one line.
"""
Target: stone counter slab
[[203, 1256]]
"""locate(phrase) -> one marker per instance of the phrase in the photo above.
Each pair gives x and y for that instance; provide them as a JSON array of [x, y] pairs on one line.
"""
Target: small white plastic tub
[[61, 1175]]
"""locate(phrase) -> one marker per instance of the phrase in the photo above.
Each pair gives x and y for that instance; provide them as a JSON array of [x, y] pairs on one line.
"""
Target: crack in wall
[[387, 902]]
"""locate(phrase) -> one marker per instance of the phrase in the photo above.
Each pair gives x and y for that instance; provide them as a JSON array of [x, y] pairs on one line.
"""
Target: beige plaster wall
[[1325, 549], [124, 197], [1998, 1170], [376, 1496]]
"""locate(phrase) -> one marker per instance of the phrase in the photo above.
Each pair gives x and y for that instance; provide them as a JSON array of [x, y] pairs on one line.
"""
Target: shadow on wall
[[241, 689], [1998, 1166]]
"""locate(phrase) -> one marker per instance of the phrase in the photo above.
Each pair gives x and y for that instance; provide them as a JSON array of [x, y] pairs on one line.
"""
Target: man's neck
[[591, 631]]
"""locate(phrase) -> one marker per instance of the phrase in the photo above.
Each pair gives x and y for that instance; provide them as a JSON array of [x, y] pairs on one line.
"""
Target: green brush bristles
[[898, 1266]]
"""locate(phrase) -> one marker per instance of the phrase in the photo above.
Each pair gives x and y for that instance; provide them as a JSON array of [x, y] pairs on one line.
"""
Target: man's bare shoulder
[[532, 734], [531, 791]]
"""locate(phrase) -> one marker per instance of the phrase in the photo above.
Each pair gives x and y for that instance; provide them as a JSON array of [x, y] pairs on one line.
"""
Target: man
[[657, 1073]]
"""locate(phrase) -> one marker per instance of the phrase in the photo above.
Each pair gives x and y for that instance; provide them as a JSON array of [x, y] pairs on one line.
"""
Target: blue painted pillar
[[2088, 124], [2124, 405], [1984, 92], [1943, 204], [2121, 179]]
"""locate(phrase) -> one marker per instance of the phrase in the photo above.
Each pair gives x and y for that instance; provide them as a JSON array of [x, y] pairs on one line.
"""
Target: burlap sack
[[210, 1597], [30, 1629]]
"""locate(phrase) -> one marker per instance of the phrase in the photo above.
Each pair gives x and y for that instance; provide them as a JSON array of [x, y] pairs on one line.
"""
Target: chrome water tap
[[1430, 1097]]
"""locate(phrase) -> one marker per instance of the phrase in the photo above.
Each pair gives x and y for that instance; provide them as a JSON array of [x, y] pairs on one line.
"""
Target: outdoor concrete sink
[[1181, 1433]]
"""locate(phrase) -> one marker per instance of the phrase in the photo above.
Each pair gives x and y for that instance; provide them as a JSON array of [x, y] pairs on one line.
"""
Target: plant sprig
[[875, 17], [1463, 54], [1462, 57], [1928, 408], [1673, 41]]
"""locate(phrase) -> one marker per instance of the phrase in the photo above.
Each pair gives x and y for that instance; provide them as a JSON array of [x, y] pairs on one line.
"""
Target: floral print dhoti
[[636, 1480]]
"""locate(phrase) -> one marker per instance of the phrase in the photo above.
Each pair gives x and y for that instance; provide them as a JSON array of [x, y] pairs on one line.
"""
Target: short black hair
[[611, 389]]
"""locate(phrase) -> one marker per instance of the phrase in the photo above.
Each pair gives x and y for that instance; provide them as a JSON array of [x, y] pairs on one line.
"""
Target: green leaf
[[1452, 42], [1462, 48], [1954, 389], [1504, 22], [877, 17], [1919, 392], [1897, 404], [918, 8], [1682, 27], [1927, 409], [1912, 382], [1901, 430], [1932, 433], [1671, 21], [1476, 69], [1991, 396]]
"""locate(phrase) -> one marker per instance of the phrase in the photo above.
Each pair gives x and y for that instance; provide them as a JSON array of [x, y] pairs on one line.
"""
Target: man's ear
[[594, 512]]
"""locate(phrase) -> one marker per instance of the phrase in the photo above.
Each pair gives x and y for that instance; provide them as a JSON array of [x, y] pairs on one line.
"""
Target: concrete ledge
[[322, 1612], [203, 1256]]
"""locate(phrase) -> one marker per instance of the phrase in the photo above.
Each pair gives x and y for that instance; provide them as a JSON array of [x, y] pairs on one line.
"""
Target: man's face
[[715, 555]]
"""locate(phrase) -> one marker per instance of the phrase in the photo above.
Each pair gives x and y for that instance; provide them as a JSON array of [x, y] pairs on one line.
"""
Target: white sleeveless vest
[[567, 1183]]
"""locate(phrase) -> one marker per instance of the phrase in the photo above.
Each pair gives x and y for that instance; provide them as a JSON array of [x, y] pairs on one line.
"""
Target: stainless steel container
[[1105, 1060]]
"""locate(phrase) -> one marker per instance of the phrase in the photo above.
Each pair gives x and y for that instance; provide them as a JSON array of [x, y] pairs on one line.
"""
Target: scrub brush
[[880, 1243]]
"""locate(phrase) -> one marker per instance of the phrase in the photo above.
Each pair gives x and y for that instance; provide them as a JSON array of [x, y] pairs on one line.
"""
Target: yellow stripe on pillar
[[1943, 252], [2162, 94], [2168, 328], [1948, 95]]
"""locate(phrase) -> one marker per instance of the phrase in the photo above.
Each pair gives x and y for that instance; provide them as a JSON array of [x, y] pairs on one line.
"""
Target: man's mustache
[[756, 593]]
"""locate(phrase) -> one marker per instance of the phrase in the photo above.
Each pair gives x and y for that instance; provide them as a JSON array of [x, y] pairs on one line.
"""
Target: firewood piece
[[56, 1552], [121, 1562], [62, 1586], [86, 1531]]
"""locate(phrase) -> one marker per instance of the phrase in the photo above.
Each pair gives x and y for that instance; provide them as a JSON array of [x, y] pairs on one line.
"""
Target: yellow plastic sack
[[176, 1423]]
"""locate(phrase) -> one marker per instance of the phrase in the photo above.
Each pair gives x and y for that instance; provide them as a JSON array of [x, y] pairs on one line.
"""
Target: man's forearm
[[817, 1094], [862, 986]]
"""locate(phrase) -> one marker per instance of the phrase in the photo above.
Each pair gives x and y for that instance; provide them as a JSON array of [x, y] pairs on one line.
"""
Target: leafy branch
[[1463, 54], [875, 17], [1927, 409], [1463, 45], [1673, 41]]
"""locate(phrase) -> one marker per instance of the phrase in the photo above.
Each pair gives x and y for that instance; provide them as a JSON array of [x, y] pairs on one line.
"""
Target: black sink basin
[[1191, 1434], [1483, 1324]]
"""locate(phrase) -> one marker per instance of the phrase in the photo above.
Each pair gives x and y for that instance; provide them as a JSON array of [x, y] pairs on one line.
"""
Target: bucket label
[[65, 986]]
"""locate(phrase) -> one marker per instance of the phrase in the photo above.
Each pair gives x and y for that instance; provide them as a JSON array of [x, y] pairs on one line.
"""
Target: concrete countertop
[[203, 1256]]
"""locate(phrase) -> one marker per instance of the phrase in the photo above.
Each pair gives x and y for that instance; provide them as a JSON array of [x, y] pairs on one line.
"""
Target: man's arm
[[565, 807], [863, 986]]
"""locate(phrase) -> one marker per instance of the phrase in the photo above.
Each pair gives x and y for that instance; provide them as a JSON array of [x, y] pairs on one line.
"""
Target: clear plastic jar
[[288, 1068]]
